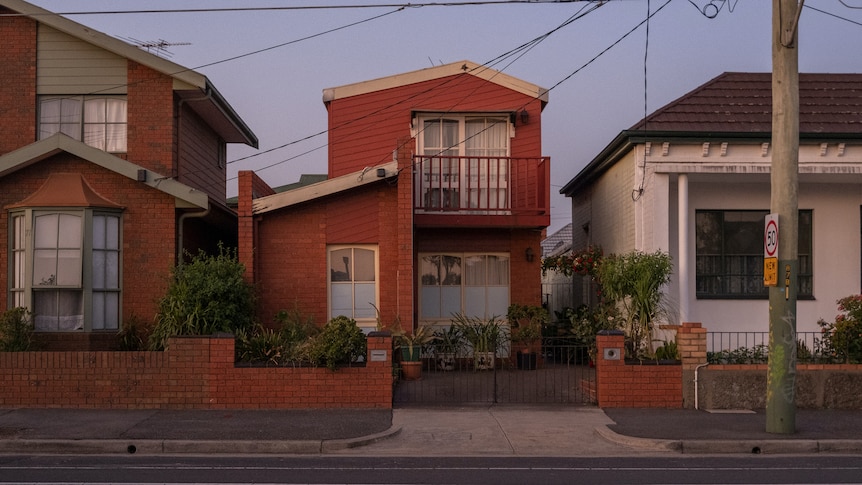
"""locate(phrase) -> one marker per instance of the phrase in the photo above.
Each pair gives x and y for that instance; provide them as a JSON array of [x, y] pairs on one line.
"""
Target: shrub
[[16, 330], [341, 342], [288, 344], [842, 339], [131, 335], [206, 295]]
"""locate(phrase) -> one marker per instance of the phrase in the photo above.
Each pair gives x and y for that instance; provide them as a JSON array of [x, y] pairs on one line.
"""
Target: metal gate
[[560, 373]]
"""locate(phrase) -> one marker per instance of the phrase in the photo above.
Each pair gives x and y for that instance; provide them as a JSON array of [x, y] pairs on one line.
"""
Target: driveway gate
[[560, 373]]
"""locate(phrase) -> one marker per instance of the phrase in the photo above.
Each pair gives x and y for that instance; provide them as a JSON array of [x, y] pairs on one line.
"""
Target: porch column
[[683, 251]]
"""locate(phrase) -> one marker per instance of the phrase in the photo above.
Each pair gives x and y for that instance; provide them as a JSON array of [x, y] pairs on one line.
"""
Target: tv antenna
[[157, 47]]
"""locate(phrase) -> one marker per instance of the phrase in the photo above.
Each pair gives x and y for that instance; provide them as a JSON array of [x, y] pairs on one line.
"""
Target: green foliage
[[206, 295], [288, 344], [585, 262], [527, 322], [842, 339], [586, 323], [341, 342], [131, 335], [484, 335], [633, 282], [449, 340], [16, 330], [668, 350], [412, 344], [759, 354]]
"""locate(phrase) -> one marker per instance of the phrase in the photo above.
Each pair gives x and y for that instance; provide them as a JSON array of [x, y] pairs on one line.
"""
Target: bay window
[[66, 268]]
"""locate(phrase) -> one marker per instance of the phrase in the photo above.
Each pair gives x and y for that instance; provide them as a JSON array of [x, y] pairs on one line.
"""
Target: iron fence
[[558, 373], [753, 348]]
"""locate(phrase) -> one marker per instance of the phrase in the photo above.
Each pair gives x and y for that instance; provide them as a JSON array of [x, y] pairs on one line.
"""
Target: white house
[[693, 179]]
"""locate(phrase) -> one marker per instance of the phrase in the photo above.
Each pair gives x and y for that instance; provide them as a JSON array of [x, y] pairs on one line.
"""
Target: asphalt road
[[475, 470]]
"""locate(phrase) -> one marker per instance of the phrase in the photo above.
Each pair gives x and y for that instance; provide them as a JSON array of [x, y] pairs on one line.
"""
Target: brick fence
[[195, 373]]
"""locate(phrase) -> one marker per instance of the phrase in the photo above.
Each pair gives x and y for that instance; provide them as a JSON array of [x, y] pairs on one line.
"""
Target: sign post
[[770, 251]]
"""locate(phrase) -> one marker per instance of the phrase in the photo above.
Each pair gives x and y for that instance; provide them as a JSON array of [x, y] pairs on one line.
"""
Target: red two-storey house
[[112, 163], [435, 203]]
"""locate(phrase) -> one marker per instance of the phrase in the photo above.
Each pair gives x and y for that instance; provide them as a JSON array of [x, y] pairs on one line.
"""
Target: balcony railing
[[482, 186]]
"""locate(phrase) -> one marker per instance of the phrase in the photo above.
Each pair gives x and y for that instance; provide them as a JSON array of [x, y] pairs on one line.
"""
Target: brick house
[[435, 202], [693, 179], [112, 163]]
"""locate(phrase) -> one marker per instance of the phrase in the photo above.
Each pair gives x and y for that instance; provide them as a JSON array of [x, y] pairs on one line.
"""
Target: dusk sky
[[600, 78]]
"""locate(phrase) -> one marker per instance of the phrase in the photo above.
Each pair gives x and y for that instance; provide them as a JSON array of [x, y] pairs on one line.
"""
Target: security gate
[[560, 373]]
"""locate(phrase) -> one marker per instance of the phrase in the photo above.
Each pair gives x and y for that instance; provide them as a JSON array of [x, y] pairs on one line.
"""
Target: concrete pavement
[[495, 430]]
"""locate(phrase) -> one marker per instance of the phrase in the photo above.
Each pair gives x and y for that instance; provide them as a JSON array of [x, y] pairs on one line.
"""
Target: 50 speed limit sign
[[770, 250]]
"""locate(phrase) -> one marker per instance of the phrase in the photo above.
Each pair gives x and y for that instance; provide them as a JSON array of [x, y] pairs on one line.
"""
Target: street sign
[[770, 250]]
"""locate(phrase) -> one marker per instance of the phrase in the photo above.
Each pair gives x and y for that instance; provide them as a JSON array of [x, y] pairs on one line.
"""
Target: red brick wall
[[195, 373], [18, 81], [633, 385], [148, 250], [290, 249], [151, 120]]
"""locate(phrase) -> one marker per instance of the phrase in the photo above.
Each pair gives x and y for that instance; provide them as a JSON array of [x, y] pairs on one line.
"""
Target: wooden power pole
[[781, 374]]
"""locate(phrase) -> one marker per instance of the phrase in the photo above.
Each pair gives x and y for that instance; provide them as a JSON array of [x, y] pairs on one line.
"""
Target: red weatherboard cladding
[[18, 81], [354, 145]]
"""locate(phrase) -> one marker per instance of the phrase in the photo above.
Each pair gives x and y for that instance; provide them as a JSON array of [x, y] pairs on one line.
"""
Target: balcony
[[481, 191]]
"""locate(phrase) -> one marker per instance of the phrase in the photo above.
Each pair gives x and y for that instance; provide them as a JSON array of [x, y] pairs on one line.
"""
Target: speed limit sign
[[770, 251]]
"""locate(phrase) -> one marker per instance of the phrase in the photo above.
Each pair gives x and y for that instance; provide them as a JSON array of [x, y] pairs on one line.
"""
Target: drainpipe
[[180, 223], [696, 369], [187, 215]]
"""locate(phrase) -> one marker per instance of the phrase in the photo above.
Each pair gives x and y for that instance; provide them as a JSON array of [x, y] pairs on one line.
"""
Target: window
[[476, 285], [467, 163], [729, 254], [353, 283], [99, 121], [66, 268]]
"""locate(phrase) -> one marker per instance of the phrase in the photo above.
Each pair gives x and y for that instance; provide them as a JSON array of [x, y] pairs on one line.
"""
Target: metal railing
[[559, 373], [753, 348], [481, 185]]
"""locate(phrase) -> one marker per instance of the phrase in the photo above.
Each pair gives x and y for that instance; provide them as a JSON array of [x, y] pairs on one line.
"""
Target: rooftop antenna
[[157, 47]]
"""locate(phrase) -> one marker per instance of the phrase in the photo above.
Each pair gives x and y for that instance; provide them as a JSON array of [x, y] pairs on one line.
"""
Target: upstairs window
[[729, 254], [98, 121], [465, 162]]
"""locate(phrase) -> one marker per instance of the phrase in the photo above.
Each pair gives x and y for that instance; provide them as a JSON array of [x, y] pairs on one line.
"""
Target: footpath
[[497, 430]]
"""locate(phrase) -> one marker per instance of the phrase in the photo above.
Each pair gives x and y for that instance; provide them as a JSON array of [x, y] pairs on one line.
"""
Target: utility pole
[[781, 373]]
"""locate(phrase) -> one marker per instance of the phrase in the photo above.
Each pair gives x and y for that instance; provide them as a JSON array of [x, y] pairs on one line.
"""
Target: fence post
[[691, 342]]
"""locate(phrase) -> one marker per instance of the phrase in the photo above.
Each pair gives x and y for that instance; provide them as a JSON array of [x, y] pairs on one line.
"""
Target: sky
[[606, 69]]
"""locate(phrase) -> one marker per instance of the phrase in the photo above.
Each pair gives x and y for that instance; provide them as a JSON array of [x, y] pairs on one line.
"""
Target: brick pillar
[[379, 356], [691, 341], [608, 365], [406, 252]]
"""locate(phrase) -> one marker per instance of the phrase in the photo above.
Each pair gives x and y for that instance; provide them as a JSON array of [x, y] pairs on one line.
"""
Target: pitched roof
[[740, 102], [186, 197], [188, 84], [437, 72]]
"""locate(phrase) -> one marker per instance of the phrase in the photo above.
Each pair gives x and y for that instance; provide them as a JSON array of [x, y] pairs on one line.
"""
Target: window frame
[[363, 317], [463, 286], [754, 264], [84, 121], [21, 288]]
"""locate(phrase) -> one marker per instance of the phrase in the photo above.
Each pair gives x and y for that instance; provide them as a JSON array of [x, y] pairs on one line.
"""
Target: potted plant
[[484, 335], [448, 344], [527, 322], [411, 346]]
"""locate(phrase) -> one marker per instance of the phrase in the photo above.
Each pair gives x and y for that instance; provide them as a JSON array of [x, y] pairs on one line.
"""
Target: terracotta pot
[[411, 371]]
